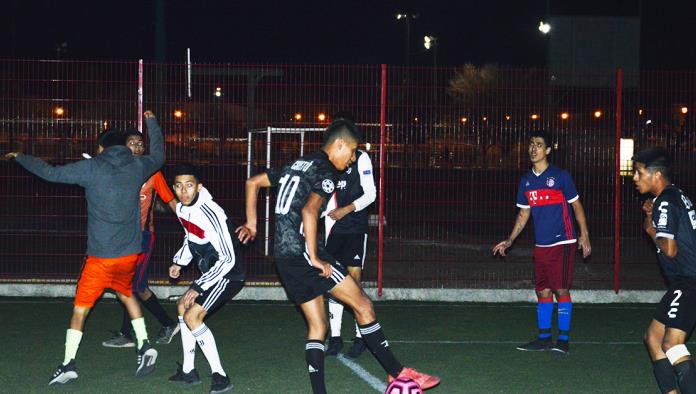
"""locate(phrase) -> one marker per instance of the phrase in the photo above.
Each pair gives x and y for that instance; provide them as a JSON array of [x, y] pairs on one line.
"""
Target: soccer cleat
[[424, 380], [119, 340], [166, 333], [64, 374], [147, 356], [537, 345], [357, 349], [220, 384], [335, 346], [189, 378], [562, 347]]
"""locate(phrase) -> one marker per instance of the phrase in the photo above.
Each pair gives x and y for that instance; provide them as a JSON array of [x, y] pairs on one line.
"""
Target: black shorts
[[220, 293], [349, 249], [302, 281], [677, 309]]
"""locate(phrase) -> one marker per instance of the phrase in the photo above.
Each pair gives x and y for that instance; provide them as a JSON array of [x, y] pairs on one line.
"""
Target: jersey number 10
[[286, 193]]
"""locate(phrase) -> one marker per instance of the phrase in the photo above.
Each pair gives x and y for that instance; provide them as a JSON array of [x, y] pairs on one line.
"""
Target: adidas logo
[[311, 369], [384, 343], [357, 257]]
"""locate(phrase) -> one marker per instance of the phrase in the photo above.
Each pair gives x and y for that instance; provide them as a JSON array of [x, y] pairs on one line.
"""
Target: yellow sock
[[72, 342], [140, 330]]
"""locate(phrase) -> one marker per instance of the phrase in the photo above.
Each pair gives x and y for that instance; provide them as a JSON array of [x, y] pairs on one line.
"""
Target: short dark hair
[[109, 138], [655, 159], [132, 133], [543, 134], [187, 169], [341, 128], [345, 115]]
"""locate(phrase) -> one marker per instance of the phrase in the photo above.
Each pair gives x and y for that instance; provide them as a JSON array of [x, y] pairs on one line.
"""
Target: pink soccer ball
[[404, 386]]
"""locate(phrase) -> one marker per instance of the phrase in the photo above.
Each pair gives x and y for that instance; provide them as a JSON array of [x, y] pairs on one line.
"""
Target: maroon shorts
[[553, 266]]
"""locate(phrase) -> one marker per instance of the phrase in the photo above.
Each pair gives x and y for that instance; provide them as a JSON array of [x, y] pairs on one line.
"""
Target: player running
[[306, 270]]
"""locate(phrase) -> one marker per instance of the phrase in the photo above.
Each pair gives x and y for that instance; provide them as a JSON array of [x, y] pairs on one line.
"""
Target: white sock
[[357, 330], [140, 330], [206, 341], [188, 344], [72, 342], [335, 317]]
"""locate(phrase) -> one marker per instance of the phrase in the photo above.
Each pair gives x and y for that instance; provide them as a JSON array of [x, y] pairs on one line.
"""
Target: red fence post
[[617, 186], [382, 132]]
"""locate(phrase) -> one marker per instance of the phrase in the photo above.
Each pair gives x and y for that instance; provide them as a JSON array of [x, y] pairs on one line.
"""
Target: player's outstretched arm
[[584, 239], [310, 217], [155, 159], [73, 173], [247, 231], [522, 218]]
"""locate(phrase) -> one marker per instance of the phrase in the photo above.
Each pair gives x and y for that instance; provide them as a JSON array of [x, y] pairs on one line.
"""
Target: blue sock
[[565, 311], [544, 314]]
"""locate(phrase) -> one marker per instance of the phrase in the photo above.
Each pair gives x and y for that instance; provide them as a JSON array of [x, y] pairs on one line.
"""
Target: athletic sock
[[335, 317], [188, 345], [686, 376], [153, 305], [72, 342], [374, 339], [664, 375], [206, 341], [140, 330], [544, 314], [565, 311], [314, 355], [126, 324]]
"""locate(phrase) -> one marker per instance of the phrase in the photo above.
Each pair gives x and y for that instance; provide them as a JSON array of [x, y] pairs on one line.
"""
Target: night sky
[[328, 32]]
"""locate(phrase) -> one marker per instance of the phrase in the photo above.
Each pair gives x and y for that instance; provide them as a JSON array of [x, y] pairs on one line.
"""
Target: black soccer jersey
[[673, 217], [355, 185], [295, 182]]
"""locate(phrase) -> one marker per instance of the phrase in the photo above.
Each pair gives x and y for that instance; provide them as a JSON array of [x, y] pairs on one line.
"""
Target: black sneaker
[[335, 346], [147, 356], [119, 340], [537, 345], [166, 333], [562, 347], [357, 349], [189, 378], [220, 384], [64, 374]]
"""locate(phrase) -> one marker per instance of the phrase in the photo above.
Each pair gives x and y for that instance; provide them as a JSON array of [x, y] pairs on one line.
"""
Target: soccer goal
[[276, 146]]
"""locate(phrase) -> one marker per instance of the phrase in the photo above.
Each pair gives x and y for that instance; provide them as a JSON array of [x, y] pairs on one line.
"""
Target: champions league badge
[[348, 170], [550, 182], [327, 185]]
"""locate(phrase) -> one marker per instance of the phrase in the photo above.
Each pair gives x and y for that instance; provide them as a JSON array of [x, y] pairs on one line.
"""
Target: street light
[[218, 92], [544, 27]]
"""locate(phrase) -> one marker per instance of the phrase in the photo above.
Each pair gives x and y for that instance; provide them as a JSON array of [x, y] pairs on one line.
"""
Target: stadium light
[[178, 113], [544, 27], [565, 116], [597, 114], [684, 110], [535, 116], [218, 91], [297, 116], [429, 42], [321, 117], [58, 111]]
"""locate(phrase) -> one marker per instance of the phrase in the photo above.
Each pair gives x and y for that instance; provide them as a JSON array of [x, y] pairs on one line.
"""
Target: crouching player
[[209, 244], [670, 221]]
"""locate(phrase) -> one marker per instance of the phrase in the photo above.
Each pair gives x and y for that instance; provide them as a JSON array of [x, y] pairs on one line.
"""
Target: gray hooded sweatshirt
[[112, 182]]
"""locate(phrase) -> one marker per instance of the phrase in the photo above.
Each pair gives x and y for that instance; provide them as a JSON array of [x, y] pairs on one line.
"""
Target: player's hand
[[174, 271], [189, 297], [246, 233], [11, 155], [584, 245], [338, 213], [148, 114], [323, 266], [501, 247], [648, 207]]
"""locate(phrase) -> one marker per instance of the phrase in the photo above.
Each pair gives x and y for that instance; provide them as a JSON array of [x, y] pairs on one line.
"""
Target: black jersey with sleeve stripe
[[673, 217], [296, 182], [355, 185]]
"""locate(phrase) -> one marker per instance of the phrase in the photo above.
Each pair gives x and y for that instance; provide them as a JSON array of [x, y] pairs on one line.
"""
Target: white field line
[[374, 382]]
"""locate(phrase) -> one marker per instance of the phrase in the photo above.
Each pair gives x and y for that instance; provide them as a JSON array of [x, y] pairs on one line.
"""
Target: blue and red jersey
[[548, 195]]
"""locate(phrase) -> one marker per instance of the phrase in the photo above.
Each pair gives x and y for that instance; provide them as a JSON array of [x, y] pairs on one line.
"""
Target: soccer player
[[346, 231], [670, 221], [547, 193], [156, 184], [209, 244], [306, 270], [112, 182]]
